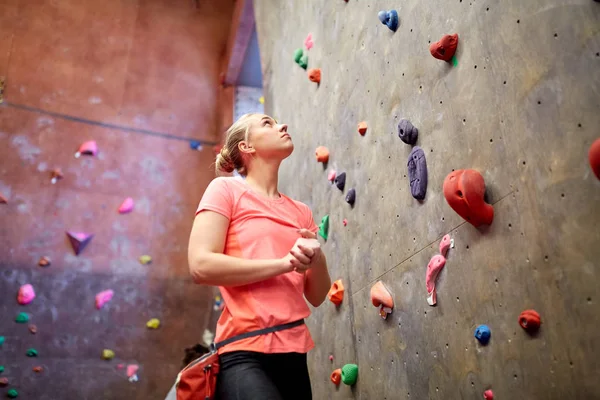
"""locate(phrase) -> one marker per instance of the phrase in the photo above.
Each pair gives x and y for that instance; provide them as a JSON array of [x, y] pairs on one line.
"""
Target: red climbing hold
[[345, 221], [79, 240], [594, 155], [336, 293], [37, 369], [314, 74], [322, 154], [464, 191], [336, 376], [3, 199], [382, 298], [488, 395], [331, 357], [530, 320], [445, 48], [89, 148], [4, 381], [445, 245], [362, 128], [434, 267]]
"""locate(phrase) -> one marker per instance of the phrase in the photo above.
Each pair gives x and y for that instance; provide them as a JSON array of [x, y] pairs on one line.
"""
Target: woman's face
[[269, 139]]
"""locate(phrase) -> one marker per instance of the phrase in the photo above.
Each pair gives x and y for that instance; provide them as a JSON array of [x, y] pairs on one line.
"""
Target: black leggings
[[247, 375]]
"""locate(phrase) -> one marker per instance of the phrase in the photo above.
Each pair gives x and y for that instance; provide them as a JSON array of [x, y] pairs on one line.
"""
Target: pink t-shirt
[[261, 228]]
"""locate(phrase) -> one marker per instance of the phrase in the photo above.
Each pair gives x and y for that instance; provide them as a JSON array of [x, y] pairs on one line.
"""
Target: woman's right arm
[[209, 266]]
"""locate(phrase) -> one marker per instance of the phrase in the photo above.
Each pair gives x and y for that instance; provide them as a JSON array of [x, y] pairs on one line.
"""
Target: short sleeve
[[310, 221], [217, 197]]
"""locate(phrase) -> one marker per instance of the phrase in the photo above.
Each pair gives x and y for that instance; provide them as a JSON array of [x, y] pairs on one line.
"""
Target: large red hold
[[464, 191], [445, 48], [594, 155]]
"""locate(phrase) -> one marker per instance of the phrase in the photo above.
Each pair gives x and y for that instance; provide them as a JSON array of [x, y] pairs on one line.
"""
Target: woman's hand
[[305, 252]]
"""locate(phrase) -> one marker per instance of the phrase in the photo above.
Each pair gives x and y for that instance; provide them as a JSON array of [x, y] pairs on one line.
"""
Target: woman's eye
[[266, 123]]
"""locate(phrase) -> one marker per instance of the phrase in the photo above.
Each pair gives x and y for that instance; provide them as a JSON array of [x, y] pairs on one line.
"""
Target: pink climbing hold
[[126, 206], [79, 240], [89, 148], [488, 395], [308, 42], [445, 245], [132, 369], [331, 176], [26, 294], [434, 267], [331, 357], [103, 297], [345, 222], [120, 366]]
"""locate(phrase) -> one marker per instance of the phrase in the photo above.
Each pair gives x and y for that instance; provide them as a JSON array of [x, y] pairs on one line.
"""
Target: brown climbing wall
[[521, 106], [149, 66]]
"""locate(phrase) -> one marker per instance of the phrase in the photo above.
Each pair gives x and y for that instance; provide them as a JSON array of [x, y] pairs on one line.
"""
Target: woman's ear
[[245, 148]]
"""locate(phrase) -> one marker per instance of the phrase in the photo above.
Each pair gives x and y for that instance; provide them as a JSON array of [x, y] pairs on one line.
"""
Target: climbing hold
[[103, 297], [336, 377], [340, 181], [89, 148], [3, 382], [33, 329], [530, 320], [434, 267], [108, 354], [207, 337], [330, 358], [120, 366], [132, 369], [349, 374], [483, 334], [3, 199], [331, 176], [464, 191], [336, 293], [407, 132], [22, 318], [38, 369], [303, 63], [56, 175], [44, 261], [488, 394], [324, 227], [26, 294], [1, 369], [314, 74], [594, 156], [322, 154], [32, 352], [345, 221], [79, 240], [445, 48], [445, 245], [417, 173], [308, 42], [126, 206], [153, 323], [145, 259], [12, 394], [196, 145], [351, 196], [2, 340], [261, 99], [389, 18], [362, 128], [298, 55], [382, 298]]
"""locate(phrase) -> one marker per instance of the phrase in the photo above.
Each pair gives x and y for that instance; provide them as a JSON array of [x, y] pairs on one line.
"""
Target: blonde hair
[[230, 157]]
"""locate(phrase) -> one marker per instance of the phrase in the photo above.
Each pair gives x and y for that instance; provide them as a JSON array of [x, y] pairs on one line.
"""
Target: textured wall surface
[[140, 78], [521, 107]]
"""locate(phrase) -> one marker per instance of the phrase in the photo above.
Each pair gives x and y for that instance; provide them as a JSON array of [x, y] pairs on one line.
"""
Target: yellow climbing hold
[[145, 259], [261, 99], [153, 323], [108, 354]]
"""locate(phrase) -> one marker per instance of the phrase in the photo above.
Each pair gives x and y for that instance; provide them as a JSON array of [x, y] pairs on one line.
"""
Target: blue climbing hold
[[195, 145], [389, 18], [483, 334]]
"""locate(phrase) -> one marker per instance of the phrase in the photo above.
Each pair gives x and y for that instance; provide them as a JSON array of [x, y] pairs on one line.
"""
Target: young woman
[[260, 247]]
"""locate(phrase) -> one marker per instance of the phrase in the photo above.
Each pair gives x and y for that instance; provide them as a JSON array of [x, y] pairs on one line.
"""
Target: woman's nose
[[283, 128]]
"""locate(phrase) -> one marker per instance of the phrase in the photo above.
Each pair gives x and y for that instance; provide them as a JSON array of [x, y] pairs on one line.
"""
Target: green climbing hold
[[1, 340], [22, 318], [349, 374], [303, 61], [1, 369], [454, 61], [324, 227], [12, 393], [298, 55], [32, 352]]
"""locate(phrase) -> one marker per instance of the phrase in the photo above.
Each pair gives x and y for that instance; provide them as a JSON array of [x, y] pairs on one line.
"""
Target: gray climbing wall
[[520, 106]]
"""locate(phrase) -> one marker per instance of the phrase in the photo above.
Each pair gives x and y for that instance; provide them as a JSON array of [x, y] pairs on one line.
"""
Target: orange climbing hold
[[382, 298], [322, 154], [336, 293], [445, 48], [37, 369], [594, 155], [362, 128], [336, 376], [314, 74], [44, 261], [530, 320]]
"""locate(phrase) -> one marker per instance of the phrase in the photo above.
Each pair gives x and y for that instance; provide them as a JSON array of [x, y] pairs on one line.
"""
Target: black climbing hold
[[389, 18], [351, 196], [417, 173], [407, 132], [340, 181]]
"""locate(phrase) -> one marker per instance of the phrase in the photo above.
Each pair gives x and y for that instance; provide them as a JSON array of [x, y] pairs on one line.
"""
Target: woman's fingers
[[305, 233], [300, 256], [306, 250]]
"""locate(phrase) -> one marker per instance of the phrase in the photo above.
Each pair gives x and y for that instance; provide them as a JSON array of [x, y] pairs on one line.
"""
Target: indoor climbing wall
[[140, 79], [518, 102]]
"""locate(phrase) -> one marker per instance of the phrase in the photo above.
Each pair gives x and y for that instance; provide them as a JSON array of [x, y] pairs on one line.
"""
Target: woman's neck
[[263, 178]]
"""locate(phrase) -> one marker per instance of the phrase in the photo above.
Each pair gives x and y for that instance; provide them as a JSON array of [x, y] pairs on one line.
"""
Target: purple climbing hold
[[351, 196], [340, 181], [407, 132], [417, 173], [79, 240]]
